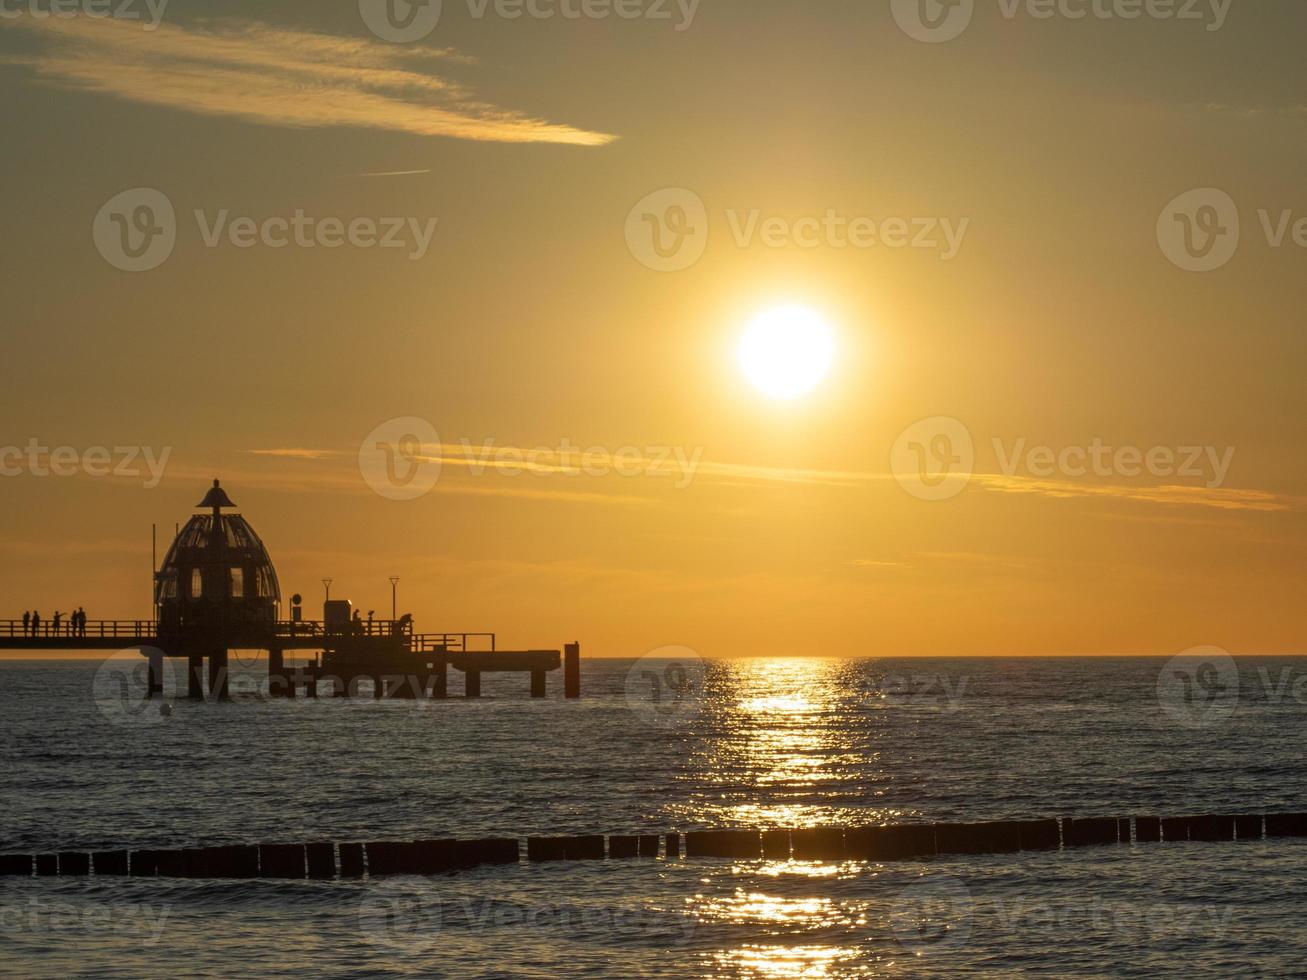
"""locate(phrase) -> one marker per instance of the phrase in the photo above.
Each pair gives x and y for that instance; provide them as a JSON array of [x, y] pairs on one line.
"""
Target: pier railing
[[125, 629], [147, 630], [454, 643]]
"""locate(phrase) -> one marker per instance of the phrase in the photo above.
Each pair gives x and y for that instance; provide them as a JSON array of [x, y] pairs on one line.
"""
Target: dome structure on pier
[[217, 575]]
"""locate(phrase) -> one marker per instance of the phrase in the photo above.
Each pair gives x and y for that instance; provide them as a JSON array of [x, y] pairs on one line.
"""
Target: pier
[[218, 591]]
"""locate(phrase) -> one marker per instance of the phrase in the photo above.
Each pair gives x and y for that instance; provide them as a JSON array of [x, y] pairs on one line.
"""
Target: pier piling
[[572, 670], [195, 676], [219, 679], [155, 678]]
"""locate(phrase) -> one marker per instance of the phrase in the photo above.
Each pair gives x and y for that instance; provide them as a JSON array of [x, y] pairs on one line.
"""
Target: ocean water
[[659, 746]]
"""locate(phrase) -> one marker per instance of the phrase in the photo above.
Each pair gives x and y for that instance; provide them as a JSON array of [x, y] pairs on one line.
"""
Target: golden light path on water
[[778, 747]]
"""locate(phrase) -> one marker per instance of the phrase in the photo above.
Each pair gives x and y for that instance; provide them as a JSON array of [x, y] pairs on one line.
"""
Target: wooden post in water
[[538, 683], [572, 670], [219, 681], [276, 673], [440, 674], [154, 681], [472, 683], [195, 676]]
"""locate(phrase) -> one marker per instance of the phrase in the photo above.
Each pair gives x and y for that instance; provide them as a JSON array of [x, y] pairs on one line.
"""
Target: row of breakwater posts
[[902, 842]]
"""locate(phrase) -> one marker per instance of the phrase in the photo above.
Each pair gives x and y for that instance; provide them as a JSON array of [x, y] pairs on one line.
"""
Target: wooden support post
[[219, 682], [472, 683], [276, 673], [155, 678], [572, 670], [440, 673], [538, 683], [195, 676]]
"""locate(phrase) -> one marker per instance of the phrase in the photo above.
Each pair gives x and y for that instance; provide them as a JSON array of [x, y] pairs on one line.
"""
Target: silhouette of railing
[[125, 629], [144, 629], [453, 642]]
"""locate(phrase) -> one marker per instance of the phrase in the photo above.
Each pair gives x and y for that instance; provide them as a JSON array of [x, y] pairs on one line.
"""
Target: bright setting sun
[[787, 351]]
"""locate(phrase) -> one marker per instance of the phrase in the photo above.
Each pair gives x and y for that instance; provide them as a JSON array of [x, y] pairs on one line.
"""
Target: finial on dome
[[216, 498]]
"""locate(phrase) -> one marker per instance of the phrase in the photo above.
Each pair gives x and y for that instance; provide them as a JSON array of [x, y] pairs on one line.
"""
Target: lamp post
[[394, 580]]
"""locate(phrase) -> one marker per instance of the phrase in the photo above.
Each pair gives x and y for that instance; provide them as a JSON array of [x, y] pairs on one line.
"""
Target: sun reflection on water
[[775, 749]]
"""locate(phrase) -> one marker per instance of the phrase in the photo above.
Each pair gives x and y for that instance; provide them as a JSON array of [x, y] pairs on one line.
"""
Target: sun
[[787, 351]]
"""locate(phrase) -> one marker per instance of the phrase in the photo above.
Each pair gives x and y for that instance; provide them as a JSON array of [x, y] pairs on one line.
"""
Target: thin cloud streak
[[739, 474], [277, 77]]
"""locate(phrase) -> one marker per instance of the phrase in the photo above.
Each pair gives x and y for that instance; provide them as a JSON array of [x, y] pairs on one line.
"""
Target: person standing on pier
[[36, 622], [56, 623], [27, 622], [81, 621]]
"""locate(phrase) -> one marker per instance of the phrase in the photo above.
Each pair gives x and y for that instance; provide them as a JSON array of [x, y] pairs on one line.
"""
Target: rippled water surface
[[766, 743]]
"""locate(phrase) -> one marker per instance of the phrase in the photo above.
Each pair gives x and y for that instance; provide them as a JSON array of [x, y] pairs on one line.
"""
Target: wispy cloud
[[477, 458], [1220, 498], [394, 173], [277, 77]]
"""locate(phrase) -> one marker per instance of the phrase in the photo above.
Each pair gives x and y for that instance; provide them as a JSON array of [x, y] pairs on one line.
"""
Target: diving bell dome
[[217, 574]]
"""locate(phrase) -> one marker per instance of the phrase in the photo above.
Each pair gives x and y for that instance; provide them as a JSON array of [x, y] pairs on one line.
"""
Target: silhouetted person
[[27, 621], [55, 623], [81, 621], [370, 612], [36, 622], [356, 624]]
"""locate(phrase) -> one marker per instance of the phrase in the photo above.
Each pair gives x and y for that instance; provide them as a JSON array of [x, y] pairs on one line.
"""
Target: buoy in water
[[165, 710]]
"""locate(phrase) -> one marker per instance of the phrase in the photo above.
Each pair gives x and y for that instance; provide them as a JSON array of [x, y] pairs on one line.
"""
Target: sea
[[666, 743]]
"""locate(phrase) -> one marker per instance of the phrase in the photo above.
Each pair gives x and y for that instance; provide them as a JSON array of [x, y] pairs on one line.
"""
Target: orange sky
[[1057, 327]]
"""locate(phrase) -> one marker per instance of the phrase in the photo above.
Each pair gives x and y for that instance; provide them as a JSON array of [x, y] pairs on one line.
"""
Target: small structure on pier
[[217, 590]]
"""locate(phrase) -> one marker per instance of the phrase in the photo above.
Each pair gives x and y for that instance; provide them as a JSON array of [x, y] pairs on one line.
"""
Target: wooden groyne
[[324, 860]]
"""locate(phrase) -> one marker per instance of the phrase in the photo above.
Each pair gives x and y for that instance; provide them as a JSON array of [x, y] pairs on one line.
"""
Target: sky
[[258, 241]]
